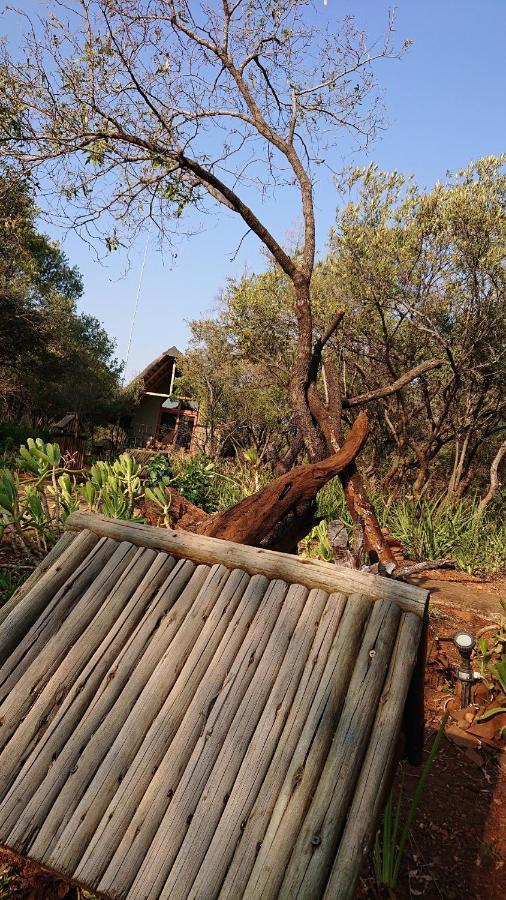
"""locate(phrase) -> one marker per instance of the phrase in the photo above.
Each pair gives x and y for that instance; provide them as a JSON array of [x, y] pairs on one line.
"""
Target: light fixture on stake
[[465, 644]]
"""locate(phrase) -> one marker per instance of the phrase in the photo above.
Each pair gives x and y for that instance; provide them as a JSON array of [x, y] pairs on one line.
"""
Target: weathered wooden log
[[125, 802], [279, 515], [219, 693], [249, 521], [315, 849], [238, 855], [255, 764], [362, 512], [254, 560], [176, 875], [267, 867], [414, 718], [183, 513], [377, 766], [61, 545], [24, 608], [101, 681], [293, 528]]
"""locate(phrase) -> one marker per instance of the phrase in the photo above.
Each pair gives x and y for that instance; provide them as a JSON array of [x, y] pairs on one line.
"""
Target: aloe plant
[[161, 498], [35, 511]]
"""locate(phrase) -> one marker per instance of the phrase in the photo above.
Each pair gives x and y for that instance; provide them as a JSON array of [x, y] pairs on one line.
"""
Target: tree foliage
[[419, 276], [425, 278], [52, 359], [241, 407], [136, 109]]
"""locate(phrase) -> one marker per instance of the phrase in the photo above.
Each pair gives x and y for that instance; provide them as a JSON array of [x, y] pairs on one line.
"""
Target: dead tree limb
[[251, 520], [494, 479], [397, 385], [426, 566]]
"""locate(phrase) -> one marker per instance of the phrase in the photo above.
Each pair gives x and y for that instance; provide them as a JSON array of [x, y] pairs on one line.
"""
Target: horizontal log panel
[[255, 560], [199, 728]]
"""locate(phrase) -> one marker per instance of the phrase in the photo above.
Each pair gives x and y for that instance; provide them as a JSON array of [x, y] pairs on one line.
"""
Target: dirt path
[[464, 595]]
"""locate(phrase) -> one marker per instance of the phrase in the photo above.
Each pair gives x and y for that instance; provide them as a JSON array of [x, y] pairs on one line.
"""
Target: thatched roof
[[158, 368]]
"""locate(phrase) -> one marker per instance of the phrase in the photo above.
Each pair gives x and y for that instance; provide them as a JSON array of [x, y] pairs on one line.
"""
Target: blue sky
[[445, 105]]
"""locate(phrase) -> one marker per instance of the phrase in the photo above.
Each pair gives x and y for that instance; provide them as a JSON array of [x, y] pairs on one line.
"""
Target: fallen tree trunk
[[279, 515], [252, 519]]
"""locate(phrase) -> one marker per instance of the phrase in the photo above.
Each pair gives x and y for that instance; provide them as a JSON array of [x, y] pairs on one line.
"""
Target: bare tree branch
[[396, 386]]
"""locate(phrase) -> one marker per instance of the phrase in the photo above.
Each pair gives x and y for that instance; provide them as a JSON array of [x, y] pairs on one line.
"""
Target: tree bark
[[252, 520], [304, 373], [359, 505], [362, 513], [278, 516], [494, 479]]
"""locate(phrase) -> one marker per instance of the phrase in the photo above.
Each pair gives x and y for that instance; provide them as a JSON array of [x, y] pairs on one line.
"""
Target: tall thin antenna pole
[[136, 307]]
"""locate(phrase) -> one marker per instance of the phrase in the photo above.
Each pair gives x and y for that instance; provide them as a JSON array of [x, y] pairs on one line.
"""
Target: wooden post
[[254, 560], [194, 431], [176, 429]]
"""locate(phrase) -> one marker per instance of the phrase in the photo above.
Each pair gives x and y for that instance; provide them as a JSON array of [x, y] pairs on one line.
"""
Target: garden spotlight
[[465, 644]]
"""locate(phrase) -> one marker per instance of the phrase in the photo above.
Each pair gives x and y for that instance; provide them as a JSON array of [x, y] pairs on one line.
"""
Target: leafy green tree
[[419, 278], [424, 275], [241, 406], [52, 359], [138, 109]]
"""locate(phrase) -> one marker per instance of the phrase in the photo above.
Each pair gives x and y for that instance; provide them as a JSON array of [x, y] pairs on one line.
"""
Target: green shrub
[[438, 528], [12, 434], [195, 478], [11, 579], [160, 470], [33, 511]]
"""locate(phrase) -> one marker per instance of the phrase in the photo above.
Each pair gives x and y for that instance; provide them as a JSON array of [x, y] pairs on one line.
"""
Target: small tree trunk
[[494, 479], [463, 485], [363, 514], [359, 505], [282, 466], [301, 377], [423, 471]]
